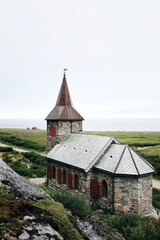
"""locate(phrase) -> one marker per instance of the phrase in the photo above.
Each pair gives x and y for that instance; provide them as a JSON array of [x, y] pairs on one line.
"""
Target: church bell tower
[[63, 119]]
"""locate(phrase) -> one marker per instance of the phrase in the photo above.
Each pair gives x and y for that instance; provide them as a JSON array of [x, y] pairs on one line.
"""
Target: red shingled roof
[[64, 109]]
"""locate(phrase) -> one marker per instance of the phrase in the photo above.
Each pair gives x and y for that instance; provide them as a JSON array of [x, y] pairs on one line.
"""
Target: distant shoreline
[[92, 124]]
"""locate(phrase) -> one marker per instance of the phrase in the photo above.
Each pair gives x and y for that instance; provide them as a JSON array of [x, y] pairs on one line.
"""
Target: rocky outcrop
[[96, 228], [18, 186], [38, 224]]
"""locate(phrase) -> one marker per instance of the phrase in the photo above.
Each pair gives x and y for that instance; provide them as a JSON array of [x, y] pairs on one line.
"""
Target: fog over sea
[[92, 124]]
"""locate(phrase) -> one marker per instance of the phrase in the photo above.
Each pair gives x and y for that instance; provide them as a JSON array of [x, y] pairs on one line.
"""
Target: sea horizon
[[92, 124]]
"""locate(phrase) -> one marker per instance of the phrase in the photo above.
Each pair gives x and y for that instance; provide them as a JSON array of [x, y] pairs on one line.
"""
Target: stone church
[[106, 172]]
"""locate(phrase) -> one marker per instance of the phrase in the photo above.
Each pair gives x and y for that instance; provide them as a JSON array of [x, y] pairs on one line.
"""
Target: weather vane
[[65, 69]]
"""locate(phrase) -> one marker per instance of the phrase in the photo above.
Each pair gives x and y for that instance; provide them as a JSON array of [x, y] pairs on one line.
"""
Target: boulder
[[19, 186]]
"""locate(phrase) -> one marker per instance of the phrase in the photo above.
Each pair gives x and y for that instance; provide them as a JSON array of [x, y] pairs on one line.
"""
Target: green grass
[[137, 139], [135, 227], [140, 139], [27, 164], [10, 225], [34, 140], [77, 204], [156, 198], [38, 136]]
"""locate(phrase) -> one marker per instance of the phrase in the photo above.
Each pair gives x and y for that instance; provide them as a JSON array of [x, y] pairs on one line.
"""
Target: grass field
[[148, 141], [34, 140], [145, 143]]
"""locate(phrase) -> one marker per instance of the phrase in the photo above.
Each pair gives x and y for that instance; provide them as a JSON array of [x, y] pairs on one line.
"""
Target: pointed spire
[[64, 96], [64, 109]]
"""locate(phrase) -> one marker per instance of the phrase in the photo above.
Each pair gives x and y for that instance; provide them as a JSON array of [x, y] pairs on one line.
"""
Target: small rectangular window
[[52, 131]]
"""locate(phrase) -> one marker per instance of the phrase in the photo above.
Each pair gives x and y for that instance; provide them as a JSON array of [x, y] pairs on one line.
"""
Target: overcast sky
[[110, 47]]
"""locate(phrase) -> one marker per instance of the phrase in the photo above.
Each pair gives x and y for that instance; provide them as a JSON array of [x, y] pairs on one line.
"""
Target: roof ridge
[[143, 160], [120, 159], [133, 160], [97, 156]]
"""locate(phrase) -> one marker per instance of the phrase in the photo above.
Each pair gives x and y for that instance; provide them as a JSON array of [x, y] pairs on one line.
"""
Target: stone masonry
[[63, 129], [125, 194]]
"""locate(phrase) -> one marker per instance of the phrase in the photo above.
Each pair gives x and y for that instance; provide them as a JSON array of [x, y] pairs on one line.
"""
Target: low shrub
[[26, 143], [9, 224], [156, 198], [139, 144], [35, 158], [155, 162], [77, 204], [27, 164], [7, 149], [135, 227]]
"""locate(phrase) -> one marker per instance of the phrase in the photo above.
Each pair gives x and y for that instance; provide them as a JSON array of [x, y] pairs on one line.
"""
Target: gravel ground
[[16, 149], [19, 150], [156, 184], [37, 181]]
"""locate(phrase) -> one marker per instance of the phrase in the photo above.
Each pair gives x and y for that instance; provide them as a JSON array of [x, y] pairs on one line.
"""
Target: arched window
[[49, 171], [52, 131], [59, 175], [54, 172], [104, 189], [64, 176], [94, 191], [69, 181], [76, 182]]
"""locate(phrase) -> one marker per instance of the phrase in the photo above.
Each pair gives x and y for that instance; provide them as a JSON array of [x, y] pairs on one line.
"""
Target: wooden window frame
[[52, 131], [49, 171], [102, 187], [64, 178], [53, 172], [69, 180], [59, 175], [94, 188], [75, 183]]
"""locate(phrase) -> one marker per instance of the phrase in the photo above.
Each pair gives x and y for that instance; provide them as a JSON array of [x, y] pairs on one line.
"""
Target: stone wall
[[54, 182], [84, 184], [63, 129], [103, 202], [76, 126], [133, 195], [125, 194], [145, 194]]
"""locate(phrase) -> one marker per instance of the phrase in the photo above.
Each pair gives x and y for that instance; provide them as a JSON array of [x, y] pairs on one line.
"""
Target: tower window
[[76, 182], [64, 176], [94, 191], [52, 131], [104, 189]]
